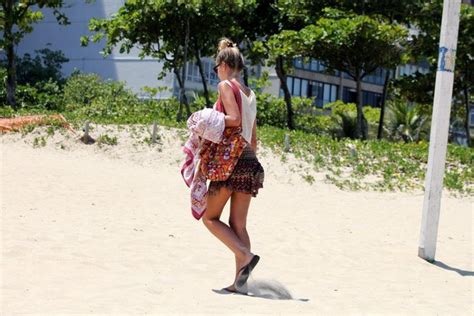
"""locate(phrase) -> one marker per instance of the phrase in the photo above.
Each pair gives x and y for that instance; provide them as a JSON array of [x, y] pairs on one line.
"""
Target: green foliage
[[310, 119], [406, 122], [199, 101], [270, 110], [39, 80], [39, 141], [355, 44], [105, 139], [425, 48], [46, 66], [337, 119], [88, 97], [44, 95], [375, 165], [159, 28], [344, 118], [18, 17]]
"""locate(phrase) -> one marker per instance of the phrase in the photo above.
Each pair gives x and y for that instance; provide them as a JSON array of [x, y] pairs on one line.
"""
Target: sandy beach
[[89, 230]]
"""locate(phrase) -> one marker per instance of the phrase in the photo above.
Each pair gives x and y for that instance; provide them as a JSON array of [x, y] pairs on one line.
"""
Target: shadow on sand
[[445, 266], [269, 289]]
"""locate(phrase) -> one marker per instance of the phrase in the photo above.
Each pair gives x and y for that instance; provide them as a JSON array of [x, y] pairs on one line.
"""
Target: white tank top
[[249, 113]]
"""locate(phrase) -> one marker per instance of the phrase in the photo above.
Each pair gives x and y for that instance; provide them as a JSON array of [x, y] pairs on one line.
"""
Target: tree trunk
[[382, 104], [340, 92], [182, 89], [246, 76], [203, 77], [282, 76], [361, 126], [466, 99], [182, 95], [10, 50]]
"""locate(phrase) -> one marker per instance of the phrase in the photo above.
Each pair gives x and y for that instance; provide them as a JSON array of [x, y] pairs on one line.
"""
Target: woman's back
[[249, 109]]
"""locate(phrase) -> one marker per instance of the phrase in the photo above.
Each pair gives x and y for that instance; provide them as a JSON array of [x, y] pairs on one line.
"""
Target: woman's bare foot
[[231, 288], [242, 262], [245, 271]]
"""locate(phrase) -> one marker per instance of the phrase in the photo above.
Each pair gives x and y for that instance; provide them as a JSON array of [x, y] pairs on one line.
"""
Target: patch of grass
[[26, 129], [105, 139], [50, 131], [308, 178], [39, 141], [373, 165], [148, 140]]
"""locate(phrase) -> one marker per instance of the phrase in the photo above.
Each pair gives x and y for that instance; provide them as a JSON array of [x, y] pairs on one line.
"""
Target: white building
[[136, 72]]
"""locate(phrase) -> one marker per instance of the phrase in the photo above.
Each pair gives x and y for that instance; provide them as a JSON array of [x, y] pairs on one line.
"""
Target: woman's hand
[[232, 118]]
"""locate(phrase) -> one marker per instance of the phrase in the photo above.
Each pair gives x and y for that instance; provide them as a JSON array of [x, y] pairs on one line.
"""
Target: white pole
[[439, 129]]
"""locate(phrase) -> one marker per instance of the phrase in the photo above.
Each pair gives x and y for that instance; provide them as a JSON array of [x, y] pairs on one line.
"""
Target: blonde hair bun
[[229, 53], [225, 43]]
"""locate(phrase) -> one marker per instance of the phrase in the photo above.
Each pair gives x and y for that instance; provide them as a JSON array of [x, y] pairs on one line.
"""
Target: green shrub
[[311, 119], [198, 101], [42, 96], [376, 165], [271, 110], [406, 122], [81, 89], [45, 66], [106, 140], [344, 117]]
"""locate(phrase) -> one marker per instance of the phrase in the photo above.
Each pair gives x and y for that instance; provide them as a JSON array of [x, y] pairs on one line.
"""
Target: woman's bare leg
[[211, 219], [239, 206]]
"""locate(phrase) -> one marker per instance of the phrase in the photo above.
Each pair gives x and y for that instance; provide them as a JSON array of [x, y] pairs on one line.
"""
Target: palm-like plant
[[405, 121]]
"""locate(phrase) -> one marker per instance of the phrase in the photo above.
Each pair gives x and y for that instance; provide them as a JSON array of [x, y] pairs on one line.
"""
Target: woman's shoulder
[[225, 83], [243, 87]]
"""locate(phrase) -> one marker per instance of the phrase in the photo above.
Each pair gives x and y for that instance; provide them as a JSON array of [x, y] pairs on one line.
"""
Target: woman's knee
[[209, 221], [237, 226]]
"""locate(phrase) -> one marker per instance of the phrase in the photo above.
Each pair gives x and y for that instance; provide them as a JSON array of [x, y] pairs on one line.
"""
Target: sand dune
[[108, 230]]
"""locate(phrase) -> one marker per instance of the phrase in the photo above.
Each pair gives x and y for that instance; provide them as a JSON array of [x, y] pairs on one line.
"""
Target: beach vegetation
[[106, 139]]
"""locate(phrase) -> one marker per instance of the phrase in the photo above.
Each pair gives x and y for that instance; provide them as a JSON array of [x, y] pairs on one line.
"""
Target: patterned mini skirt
[[247, 176]]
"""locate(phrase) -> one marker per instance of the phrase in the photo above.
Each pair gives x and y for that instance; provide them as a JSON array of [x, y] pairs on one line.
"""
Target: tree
[[395, 11], [16, 19], [167, 31], [420, 87], [267, 20], [280, 52], [355, 44], [213, 21]]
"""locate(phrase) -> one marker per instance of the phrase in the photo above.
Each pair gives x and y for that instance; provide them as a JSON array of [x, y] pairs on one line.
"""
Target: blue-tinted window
[[304, 87], [314, 65], [368, 98], [289, 83], [321, 92], [297, 87], [298, 62]]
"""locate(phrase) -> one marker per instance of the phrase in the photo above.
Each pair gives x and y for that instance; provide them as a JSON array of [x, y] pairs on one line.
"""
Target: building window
[[192, 73], [296, 87], [410, 69], [312, 65], [368, 98], [322, 92], [377, 77]]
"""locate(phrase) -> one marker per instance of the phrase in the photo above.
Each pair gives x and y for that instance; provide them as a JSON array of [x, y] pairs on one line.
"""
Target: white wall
[[124, 67]]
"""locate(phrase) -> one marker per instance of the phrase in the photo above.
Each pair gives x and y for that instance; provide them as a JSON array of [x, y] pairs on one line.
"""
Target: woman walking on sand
[[248, 174]]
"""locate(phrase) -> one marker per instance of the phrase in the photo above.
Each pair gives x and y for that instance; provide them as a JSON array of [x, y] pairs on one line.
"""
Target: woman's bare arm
[[254, 136], [232, 117]]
